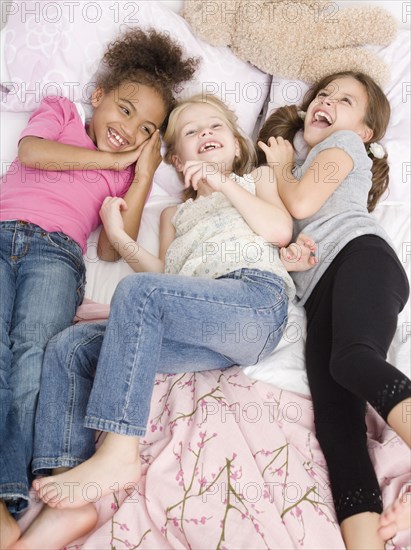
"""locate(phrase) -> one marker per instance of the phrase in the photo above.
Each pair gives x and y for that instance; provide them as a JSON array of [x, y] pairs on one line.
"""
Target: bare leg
[[369, 530], [400, 420], [397, 517], [115, 465], [360, 532], [53, 528], [9, 529]]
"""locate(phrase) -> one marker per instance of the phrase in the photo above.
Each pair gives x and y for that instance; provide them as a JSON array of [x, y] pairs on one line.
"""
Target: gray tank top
[[343, 216]]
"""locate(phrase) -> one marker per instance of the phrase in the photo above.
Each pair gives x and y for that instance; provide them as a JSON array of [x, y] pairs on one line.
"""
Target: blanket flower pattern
[[229, 462]]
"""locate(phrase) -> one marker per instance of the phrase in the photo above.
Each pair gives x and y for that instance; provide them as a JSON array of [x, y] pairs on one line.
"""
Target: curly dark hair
[[147, 57]]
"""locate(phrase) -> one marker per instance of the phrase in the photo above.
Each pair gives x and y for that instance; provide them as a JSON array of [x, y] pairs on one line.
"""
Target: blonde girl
[[221, 270]]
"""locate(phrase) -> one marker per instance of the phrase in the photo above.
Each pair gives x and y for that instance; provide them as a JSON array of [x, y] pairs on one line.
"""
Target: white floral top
[[213, 239]]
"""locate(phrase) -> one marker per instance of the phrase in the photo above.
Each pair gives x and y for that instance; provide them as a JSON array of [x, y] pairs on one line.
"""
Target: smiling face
[[203, 134], [125, 117], [341, 105]]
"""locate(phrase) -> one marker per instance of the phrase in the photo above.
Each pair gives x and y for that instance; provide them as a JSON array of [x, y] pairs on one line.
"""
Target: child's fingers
[[122, 204], [149, 147], [117, 202], [305, 240], [191, 168], [276, 141], [187, 172], [190, 163], [190, 175], [154, 140], [138, 150], [196, 178], [272, 143], [291, 252], [109, 201], [263, 146], [283, 142], [312, 246], [106, 201]]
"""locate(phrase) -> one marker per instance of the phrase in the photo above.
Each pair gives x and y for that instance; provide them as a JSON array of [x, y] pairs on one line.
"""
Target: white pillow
[[52, 48], [12, 124], [397, 139]]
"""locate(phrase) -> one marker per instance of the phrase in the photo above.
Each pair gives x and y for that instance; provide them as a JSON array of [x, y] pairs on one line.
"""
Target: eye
[[190, 132], [346, 100], [322, 94], [146, 130], [125, 110], [216, 125]]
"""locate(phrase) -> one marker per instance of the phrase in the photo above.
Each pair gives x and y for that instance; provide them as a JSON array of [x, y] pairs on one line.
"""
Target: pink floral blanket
[[232, 463]]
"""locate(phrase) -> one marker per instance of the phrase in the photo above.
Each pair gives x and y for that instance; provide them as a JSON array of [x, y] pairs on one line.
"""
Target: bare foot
[[53, 529], [115, 466], [9, 529], [396, 517]]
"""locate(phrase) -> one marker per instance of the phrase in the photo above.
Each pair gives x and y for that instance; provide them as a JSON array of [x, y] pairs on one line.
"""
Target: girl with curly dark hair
[[50, 201]]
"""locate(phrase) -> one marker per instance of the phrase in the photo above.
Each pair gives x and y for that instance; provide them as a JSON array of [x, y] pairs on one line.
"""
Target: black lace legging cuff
[[392, 394], [357, 501]]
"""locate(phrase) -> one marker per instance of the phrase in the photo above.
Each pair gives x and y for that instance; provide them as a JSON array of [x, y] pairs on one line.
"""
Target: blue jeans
[[42, 282], [101, 376]]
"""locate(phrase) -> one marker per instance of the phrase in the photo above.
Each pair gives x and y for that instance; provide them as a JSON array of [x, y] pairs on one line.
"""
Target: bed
[[230, 459]]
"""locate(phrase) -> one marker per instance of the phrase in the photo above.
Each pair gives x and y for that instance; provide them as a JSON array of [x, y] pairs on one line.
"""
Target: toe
[[49, 494], [388, 531]]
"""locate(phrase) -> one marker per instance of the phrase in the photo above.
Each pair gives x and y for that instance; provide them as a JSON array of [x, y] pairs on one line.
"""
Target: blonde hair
[[242, 164], [286, 122]]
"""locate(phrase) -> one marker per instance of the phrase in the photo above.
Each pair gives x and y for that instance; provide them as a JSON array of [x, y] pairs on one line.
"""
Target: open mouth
[[116, 139], [209, 146], [321, 119]]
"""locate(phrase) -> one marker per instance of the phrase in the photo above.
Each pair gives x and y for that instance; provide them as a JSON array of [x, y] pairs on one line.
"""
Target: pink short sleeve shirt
[[60, 200]]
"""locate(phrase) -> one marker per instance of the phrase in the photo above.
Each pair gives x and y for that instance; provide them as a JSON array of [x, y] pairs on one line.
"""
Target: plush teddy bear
[[302, 39]]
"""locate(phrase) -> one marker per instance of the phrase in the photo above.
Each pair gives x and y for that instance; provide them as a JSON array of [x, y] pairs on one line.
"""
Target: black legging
[[351, 320]]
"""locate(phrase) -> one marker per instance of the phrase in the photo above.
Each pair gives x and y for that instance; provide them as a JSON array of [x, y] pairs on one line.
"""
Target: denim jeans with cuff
[[42, 283], [101, 376]]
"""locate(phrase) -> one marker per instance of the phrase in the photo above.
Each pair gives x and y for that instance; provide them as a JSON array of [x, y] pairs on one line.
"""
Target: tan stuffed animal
[[303, 40]]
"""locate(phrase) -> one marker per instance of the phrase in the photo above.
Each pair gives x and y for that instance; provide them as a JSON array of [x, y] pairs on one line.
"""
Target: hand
[[299, 256], [150, 156], [197, 173], [110, 214], [121, 161], [278, 152]]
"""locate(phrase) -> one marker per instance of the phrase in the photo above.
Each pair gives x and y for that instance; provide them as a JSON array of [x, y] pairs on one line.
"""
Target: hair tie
[[376, 150], [301, 114]]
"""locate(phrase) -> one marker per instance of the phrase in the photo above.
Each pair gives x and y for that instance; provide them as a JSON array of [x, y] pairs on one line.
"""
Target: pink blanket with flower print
[[232, 463]]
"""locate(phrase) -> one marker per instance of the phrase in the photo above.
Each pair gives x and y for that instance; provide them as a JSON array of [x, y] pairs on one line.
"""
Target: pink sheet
[[90, 311], [233, 463]]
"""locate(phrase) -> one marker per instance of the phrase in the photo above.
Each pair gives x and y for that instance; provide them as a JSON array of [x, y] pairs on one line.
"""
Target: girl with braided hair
[[355, 292]]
